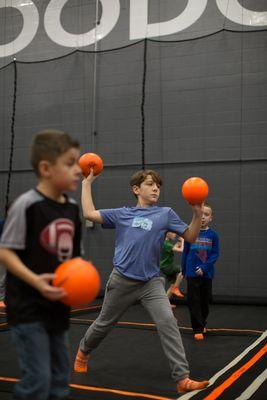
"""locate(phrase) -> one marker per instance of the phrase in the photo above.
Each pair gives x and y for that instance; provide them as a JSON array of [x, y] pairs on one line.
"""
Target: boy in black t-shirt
[[42, 230]]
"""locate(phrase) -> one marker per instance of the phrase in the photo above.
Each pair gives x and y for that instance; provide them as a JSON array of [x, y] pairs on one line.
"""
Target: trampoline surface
[[130, 362]]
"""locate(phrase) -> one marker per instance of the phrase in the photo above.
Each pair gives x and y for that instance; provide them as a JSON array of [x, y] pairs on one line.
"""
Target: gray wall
[[205, 115]]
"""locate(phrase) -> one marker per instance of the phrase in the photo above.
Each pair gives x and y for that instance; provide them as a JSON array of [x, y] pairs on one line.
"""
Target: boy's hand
[[43, 285], [178, 247], [199, 271], [90, 178], [197, 209]]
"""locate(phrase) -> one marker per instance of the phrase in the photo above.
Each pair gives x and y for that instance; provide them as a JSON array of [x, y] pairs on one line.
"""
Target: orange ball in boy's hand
[[80, 279], [88, 161], [195, 190]]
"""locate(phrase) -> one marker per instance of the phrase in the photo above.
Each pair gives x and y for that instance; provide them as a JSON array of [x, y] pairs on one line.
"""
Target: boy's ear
[[44, 168], [135, 189]]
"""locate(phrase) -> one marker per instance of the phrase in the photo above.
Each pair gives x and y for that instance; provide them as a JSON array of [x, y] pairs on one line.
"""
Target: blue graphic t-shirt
[[140, 233], [203, 253]]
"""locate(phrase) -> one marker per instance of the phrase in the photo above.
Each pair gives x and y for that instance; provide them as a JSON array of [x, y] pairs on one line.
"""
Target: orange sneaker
[[198, 336], [2, 304], [176, 291], [188, 385], [80, 363]]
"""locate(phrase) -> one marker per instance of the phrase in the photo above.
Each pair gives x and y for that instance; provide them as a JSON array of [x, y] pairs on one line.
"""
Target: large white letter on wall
[[54, 29], [235, 12], [139, 28], [30, 26]]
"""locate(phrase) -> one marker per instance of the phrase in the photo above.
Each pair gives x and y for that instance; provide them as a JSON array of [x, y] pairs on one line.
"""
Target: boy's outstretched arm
[[89, 211], [40, 282], [191, 233]]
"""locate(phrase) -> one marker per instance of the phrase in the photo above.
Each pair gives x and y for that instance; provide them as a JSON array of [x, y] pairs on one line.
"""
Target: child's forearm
[[88, 207], [179, 246], [87, 199], [39, 282], [191, 234]]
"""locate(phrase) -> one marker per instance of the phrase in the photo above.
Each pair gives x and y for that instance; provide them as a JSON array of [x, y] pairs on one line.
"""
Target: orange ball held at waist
[[88, 161], [195, 190], [80, 279]]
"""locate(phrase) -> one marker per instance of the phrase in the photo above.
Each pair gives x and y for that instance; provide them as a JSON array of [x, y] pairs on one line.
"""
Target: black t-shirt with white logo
[[43, 233]]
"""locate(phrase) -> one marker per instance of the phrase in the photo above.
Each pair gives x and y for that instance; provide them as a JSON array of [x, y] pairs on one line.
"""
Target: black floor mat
[[130, 360]]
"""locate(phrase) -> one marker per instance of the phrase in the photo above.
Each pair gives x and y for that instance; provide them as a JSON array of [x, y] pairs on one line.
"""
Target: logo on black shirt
[[57, 238]]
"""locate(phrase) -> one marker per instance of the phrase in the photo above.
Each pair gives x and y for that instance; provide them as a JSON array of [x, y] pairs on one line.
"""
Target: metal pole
[[93, 133]]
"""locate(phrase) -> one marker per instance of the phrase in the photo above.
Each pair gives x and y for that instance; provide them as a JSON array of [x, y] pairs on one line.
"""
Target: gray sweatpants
[[120, 294]]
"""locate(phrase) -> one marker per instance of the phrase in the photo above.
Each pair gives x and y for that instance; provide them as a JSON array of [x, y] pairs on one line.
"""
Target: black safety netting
[[188, 108]]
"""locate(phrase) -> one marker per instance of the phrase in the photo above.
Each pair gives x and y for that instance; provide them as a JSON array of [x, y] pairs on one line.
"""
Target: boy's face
[[148, 192], [206, 217], [64, 174]]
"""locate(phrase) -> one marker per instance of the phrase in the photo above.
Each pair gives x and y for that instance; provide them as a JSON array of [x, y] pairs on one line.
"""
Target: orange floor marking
[[103, 390], [8, 379], [118, 323], [86, 308], [153, 325], [120, 392], [236, 375]]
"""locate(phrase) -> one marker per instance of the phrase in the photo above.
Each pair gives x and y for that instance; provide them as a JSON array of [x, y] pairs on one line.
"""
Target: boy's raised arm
[[179, 246], [191, 233], [89, 211]]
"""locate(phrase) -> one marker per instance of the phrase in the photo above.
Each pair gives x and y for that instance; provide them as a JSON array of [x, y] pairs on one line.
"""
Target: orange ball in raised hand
[[80, 279], [88, 161], [195, 190]]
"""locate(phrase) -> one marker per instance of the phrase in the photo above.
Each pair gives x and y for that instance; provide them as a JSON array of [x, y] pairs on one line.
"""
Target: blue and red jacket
[[203, 253]]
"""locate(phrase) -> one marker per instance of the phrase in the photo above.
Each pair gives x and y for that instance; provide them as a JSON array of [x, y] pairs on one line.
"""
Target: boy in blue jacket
[[198, 260]]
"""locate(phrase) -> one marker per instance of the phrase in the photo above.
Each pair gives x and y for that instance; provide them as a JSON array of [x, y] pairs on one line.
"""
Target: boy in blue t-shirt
[[198, 260], [140, 232]]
